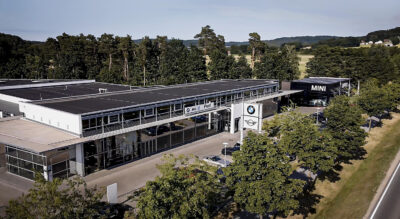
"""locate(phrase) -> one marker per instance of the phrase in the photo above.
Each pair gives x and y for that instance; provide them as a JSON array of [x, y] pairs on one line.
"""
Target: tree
[[344, 125], [196, 65], [373, 100], [278, 64], [259, 177], [125, 47], [256, 46], [209, 41], [57, 199], [241, 69], [184, 190], [297, 135], [220, 65]]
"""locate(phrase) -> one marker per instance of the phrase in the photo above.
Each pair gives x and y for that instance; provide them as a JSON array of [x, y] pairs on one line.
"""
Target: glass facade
[[116, 150], [62, 162], [124, 118], [24, 163]]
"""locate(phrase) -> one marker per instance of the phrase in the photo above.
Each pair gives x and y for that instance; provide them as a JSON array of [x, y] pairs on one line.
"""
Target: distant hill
[[305, 40]]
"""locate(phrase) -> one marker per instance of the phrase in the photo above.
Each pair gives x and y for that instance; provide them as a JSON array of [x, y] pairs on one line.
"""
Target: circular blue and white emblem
[[251, 109]]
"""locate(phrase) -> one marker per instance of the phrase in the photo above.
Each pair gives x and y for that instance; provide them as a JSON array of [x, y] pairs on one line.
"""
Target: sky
[[234, 19]]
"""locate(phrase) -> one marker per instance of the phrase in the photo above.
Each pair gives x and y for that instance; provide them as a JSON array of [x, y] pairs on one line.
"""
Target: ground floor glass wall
[[24, 163], [115, 150]]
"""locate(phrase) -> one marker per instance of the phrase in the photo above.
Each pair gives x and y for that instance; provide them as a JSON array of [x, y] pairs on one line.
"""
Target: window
[[113, 119], [92, 122], [178, 107], [201, 101], [149, 112], [131, 115]]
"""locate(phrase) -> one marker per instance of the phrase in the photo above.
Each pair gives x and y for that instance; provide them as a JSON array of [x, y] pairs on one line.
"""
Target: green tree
[[374, 100], [209, 41], [259, 177], [344, 125], [298, 135], [220, 65], [196, 65], [278, 64], [187, 188], [256, 46], [241, 69], [57, 199]]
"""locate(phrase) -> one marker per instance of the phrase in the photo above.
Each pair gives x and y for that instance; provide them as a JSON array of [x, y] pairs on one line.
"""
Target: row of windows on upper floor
[[96, 124]]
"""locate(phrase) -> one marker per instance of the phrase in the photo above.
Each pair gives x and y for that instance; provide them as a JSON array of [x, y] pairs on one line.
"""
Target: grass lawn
[[350, 197], [302, 64]]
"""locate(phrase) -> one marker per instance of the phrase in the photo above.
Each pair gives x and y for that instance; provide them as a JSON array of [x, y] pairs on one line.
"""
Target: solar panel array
[[81, 105]]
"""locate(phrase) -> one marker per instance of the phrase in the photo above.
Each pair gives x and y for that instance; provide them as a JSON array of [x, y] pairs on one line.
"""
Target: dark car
[[162, 129], [230, 150], [199, 119], [153, 131]]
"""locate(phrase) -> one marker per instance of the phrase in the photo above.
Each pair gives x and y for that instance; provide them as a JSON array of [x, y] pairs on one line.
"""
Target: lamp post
[[225, 144]]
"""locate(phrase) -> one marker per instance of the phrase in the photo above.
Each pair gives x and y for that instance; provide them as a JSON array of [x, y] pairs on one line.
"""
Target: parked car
[[153, 131], [215, 160], [199, 119], [230, 150]]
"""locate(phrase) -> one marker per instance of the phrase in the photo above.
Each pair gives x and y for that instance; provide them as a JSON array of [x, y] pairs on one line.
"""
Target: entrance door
[[237, 122]]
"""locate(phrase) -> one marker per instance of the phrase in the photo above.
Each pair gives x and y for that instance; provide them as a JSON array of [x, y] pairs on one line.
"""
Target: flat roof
[[321, 80], [12, 82], [60, 91], [32, 136], [103, 102]]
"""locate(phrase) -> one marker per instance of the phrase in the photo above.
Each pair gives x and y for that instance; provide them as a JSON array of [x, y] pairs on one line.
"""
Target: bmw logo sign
[[251, 110]]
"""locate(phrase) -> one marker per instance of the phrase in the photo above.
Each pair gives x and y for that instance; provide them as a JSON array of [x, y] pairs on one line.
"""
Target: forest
[[164, 61]]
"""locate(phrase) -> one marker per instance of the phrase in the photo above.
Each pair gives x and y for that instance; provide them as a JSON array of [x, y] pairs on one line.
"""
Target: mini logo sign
[[318, 88], [251, 109], [250, 122]]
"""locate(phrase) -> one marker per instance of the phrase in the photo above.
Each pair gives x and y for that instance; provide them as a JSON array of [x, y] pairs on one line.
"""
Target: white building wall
[[62, 120], [11, 99]]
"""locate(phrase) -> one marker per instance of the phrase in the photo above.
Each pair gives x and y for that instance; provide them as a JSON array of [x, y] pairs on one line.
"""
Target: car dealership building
[[77, 127]]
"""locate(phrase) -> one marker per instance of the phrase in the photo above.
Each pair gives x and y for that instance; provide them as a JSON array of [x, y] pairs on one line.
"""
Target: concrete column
[[47, 173], [232, 128], [80, 164], [209, 121]]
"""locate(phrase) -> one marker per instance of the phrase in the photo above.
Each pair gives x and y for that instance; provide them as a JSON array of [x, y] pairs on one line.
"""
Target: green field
[[302, 64]]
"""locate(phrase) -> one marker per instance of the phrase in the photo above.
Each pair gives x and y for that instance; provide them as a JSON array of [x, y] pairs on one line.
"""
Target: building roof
[[65, 90], [131, 98], [321, 80], [33, 136], [13, 82]]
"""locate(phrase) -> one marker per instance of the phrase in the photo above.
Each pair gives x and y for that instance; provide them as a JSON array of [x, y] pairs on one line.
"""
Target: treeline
[[379, 62], [164, 61]]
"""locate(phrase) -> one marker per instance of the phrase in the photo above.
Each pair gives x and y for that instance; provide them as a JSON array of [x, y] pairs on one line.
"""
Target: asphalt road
[[388, 206]]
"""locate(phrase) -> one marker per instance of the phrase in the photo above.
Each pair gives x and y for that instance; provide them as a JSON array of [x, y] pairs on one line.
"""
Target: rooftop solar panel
[[100, 102]]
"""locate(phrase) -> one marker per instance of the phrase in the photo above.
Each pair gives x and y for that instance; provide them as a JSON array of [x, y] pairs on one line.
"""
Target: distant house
[[387, 42], [363, 43], [306, 47], [370, 43], [378, 42]]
